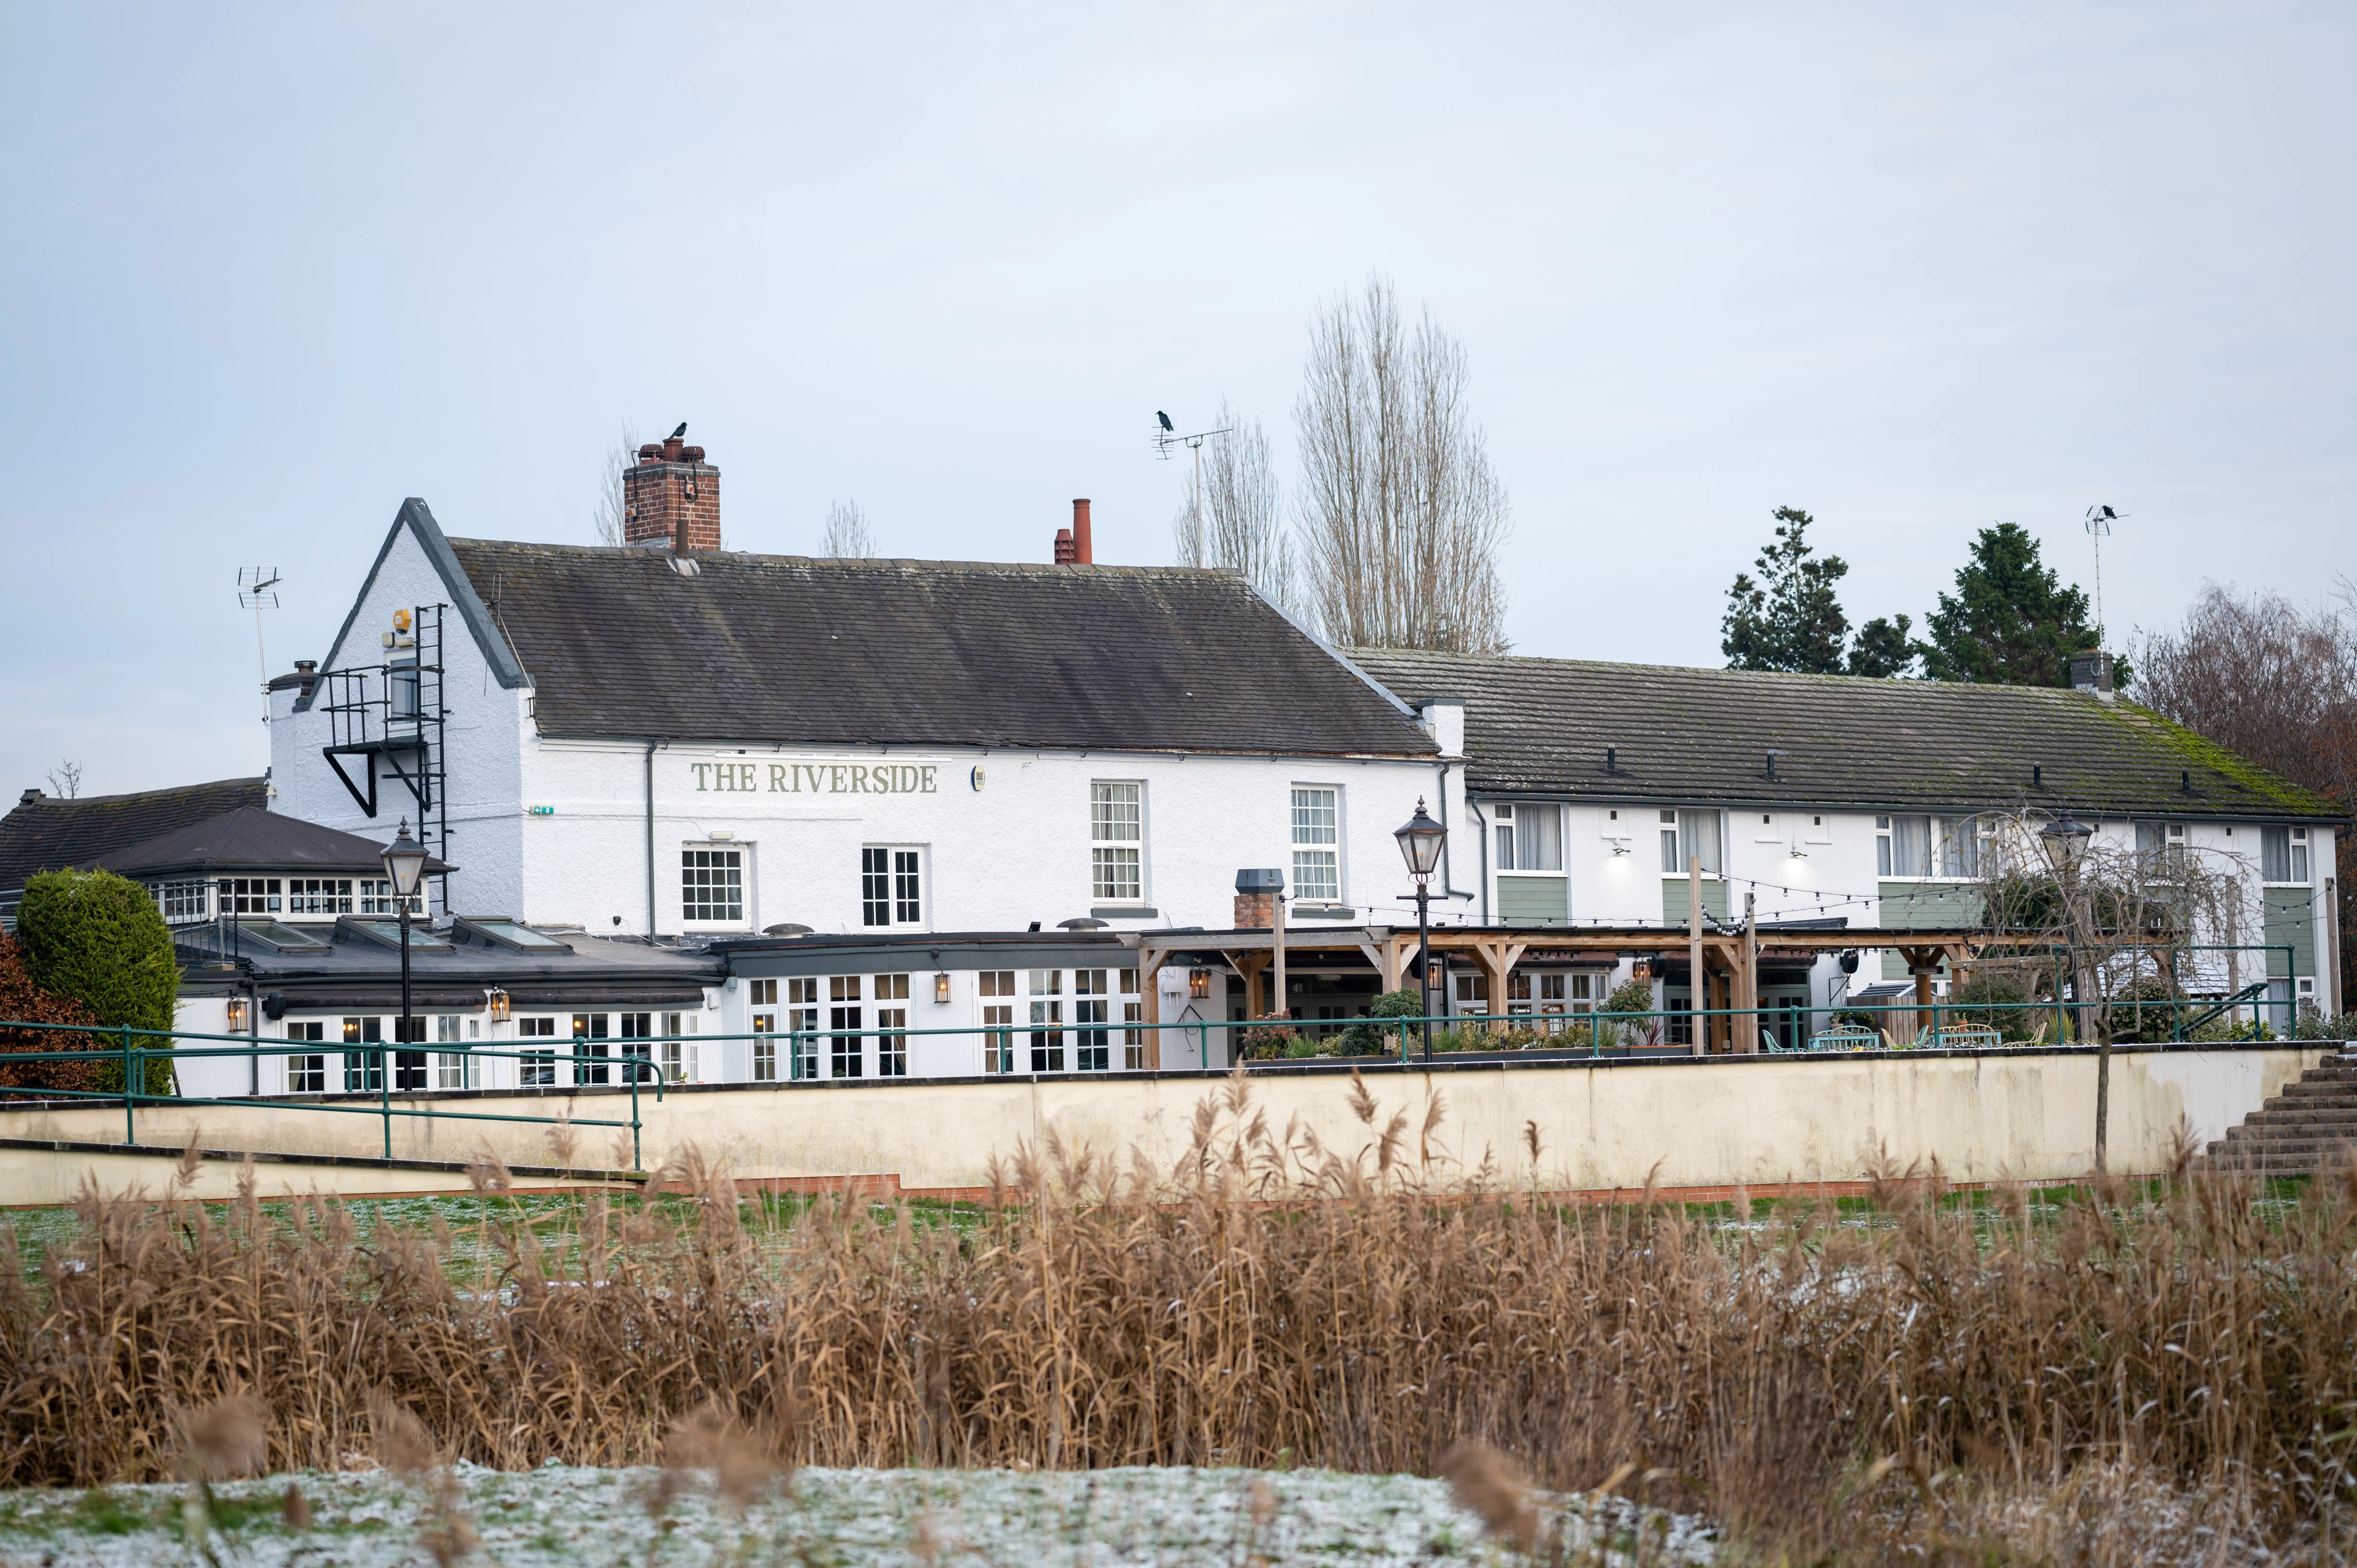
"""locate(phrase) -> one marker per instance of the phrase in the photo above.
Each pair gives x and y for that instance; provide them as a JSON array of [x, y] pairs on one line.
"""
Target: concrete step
[[2272, 1148], [2303, 1116]]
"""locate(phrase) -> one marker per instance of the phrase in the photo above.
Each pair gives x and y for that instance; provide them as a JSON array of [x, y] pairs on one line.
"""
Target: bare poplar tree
[[66, 779], [846, 537], [1237, 520], [1401, 515], [613, 511]]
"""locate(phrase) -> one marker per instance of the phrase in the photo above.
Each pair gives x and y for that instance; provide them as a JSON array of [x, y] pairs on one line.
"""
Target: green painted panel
[[1917, 904], [1534, 901], [2290, 918], [1677, 902]]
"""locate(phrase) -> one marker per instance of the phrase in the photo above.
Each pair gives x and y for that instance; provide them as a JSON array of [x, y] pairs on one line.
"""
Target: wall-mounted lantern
[[941, 986], [1199, 985], [496, 1001], [241, 1014]]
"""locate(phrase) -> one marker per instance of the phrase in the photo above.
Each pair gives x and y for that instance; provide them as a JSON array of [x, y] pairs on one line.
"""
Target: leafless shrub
[[1267, 1299], [1401, 515]]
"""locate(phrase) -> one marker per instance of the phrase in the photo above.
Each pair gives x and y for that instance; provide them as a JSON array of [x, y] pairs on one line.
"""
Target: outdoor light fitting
[[1420, 841], [1199, 985], [2064, 840], [941, 986], [496, 1001], [405, 863]]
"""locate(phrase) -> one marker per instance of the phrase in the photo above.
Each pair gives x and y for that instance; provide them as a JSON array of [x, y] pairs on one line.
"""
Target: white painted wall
[[486, 734]]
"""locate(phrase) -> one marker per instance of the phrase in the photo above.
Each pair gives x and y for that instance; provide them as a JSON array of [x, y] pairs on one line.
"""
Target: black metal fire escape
[[390, 716]]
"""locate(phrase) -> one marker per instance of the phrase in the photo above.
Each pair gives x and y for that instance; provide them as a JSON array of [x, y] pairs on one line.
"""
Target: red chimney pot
[[1082, 554]]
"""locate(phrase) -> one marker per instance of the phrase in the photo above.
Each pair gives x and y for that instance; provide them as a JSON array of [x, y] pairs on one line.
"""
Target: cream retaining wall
[[1982, 1116]]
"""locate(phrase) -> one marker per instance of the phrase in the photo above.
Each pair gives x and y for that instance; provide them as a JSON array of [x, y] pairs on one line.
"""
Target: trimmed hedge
[[99, 938]]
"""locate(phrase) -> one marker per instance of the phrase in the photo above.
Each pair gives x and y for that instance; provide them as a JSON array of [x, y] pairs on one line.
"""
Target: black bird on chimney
[[681, 431]]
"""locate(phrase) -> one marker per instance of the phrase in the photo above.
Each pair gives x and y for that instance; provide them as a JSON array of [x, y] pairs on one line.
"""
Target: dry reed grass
[[1271, 1302]]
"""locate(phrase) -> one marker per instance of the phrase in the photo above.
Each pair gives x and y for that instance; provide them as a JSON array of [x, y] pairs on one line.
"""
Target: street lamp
[[2064, 840], [404, 867], [1420, 843]]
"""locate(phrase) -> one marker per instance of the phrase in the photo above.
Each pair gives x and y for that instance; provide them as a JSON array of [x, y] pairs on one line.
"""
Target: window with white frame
[[1116, 842], [1090, 1008], [2283, 855], [592, 1051], [376, 897], [452, 1069], [679, 1054], [892, 886], [712, 886], [1529, 837], [318, 896], [1046, 988], [363, 1070], [802, 1025], [891, 994], [2160, 850], [1133, 1012], [307, 1073], [250, 895], [997, 987], [636, 1031], [1690, 834], [536, 1069], [182, 901], [762, 996], [1909, 846], [845, 1052], [1317, 844]]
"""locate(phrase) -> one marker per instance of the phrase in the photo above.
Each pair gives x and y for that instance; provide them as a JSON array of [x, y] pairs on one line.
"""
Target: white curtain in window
[[1910, 847]]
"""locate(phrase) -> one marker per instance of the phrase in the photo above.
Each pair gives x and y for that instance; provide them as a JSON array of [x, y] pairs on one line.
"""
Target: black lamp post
[[2064, 840], [1420, 842], [404, 867]]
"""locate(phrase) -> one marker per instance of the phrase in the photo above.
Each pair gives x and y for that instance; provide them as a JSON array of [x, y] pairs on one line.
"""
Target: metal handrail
[[123, 1046]]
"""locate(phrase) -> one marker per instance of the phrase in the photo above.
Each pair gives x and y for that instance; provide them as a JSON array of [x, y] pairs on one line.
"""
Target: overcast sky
[[267, 271]]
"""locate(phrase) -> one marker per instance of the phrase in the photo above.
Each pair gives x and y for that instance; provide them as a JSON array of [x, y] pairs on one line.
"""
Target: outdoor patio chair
[[1845, 1037]]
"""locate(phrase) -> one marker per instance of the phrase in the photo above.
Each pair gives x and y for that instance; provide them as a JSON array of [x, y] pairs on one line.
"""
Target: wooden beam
[[1149, 998]]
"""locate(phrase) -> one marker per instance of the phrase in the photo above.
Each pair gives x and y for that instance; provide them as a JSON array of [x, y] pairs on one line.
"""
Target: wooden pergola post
[[1149, 999]]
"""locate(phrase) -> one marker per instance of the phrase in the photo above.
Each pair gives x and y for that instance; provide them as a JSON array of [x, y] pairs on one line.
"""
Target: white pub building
[[675, 741]]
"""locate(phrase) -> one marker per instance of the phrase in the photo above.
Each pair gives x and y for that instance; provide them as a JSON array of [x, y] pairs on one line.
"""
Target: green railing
[[1019, 1050], [131, 1057]]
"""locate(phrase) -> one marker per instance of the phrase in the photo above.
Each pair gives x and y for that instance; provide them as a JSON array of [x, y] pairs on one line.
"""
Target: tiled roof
[[48, 834], [250, 837], [1541, 727], [776, 648]]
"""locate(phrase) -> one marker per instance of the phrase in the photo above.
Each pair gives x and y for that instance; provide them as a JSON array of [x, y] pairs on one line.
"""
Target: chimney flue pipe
[[1081, 553]]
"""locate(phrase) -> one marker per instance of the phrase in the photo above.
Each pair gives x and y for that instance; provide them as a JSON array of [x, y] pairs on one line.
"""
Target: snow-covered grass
[[1039, 1518]]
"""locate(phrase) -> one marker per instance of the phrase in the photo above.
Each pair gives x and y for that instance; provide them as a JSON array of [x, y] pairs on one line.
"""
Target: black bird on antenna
[[2109, 515], [681, 431], [1165, 419]]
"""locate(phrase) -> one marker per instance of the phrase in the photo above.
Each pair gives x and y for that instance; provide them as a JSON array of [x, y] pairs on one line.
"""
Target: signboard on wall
[[793, 776]]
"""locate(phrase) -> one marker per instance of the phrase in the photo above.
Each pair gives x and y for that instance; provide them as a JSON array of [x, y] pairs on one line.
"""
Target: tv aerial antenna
[[2099, 523], [257, 590], [1166, 437]]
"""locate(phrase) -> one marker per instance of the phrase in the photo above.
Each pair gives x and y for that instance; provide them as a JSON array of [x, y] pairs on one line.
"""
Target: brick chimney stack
[[1072, 546], [671, 496]]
